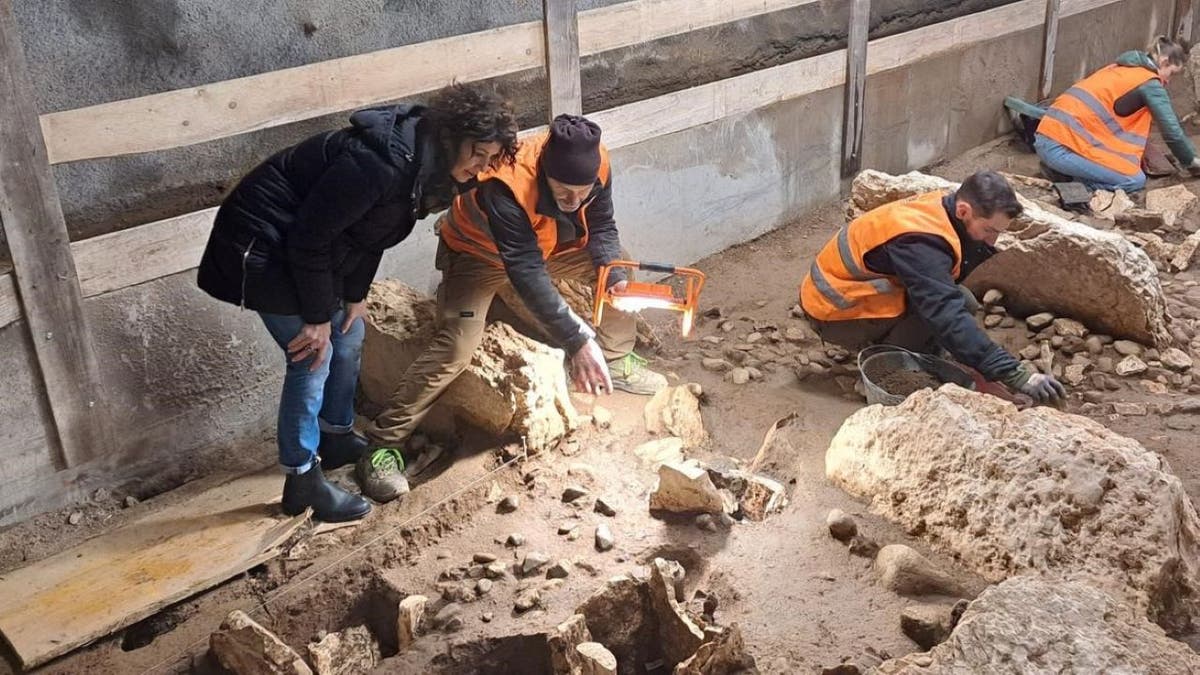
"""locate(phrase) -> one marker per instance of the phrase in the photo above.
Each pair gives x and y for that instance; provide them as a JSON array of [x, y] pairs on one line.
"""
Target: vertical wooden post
[[561, 27], [32, 218], [856, 85], [1048, 47], [1182, 20]]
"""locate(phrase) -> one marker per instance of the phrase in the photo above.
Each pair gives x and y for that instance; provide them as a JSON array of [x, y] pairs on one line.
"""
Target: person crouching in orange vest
[[1096, 131], [546, 216], [891, 277]]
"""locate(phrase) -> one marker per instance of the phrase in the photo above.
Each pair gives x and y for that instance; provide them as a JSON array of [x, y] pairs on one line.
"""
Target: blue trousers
[[1096, 177], [319, 400]]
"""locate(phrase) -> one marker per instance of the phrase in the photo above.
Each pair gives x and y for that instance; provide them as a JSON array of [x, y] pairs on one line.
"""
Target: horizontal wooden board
[[212, 111], [66, 601], [128, 257]]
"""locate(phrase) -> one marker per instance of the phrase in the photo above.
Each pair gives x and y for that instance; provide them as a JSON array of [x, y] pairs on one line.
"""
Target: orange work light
[[639, 295]]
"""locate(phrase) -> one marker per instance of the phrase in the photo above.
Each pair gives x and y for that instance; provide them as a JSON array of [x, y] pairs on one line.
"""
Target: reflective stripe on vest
[[468, 229], [839, 286], [1084, 119]]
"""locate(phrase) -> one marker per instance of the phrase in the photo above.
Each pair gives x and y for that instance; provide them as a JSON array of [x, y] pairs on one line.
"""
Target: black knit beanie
[[572, 153]]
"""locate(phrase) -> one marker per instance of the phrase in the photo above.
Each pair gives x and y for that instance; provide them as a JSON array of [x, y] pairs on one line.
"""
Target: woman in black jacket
[[299, 241]]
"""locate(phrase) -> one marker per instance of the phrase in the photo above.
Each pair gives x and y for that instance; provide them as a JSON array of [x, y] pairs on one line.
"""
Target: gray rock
[[841, 526], [1131, 365], [515, 539], [738, 376], [495, 570], [604, 538], [573, 492], [1039, 321], [926, 625], [483, 586], [509, 504], [993, 296], [1127, 347], [604, 508], [527, 600], [74, 518], [534, 561], [559, 570], [1069, 328], [705, 522], [992, 320], [906, 572], [483, 558], [1176, 359]]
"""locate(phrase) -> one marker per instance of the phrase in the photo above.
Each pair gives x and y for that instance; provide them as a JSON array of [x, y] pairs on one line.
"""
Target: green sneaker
[[629, 373], [381, 474]]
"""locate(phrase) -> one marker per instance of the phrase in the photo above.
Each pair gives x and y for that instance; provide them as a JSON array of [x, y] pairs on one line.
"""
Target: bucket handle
[[872, 350]]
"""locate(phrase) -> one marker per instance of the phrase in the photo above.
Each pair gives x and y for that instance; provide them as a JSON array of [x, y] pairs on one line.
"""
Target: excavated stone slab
[[244, 647], [348, 652], [1039, 491], [676, 411], [1034, 625], [513, 383], [1048, 263]]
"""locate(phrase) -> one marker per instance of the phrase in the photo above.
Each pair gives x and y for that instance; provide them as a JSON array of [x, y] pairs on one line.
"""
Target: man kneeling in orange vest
[[546, 216], [891, 276]]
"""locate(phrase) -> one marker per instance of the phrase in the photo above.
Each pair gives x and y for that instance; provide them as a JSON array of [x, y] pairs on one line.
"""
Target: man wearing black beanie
[[546, 216]]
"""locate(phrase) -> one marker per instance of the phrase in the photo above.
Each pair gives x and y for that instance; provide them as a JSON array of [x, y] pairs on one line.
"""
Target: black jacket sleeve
[[339, 198], [924, 267], [518, 246], [604, 242], [358, 283]]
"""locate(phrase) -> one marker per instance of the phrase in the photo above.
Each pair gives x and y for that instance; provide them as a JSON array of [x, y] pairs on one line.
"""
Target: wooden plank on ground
[[121, 259], [42, 265], [561, 28], [856, 86], [85, 593], [219, 109], [1053, 9], [10, 304]]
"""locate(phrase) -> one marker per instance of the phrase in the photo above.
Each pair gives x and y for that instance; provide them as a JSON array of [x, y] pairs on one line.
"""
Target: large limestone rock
[[676, 411], [513, 383], [1049, 263], [244, 647], [1013, 492], [1033, 625], [348, 652], [679, 635]]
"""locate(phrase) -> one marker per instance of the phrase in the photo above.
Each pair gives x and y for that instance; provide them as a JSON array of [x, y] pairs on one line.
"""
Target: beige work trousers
[[468, 285]]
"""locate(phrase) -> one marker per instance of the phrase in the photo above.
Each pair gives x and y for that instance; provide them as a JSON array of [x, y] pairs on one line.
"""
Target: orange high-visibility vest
[[1084, 119], [839, 287], [465, 228]]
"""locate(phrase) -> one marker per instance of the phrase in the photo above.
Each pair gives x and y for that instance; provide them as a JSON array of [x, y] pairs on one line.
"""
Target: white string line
[[353, 552]]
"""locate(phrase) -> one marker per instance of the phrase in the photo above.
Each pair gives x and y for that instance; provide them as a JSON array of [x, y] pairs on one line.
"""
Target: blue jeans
[[1096, 177], [319, 400]]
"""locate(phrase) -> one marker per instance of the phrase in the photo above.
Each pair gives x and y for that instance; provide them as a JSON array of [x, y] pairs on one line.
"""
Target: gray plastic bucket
[[878, 361]]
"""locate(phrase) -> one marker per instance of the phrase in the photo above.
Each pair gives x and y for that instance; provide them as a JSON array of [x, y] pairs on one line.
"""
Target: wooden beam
[[121, 259], [560, 26], [10, 304], [1183, 20], [856, 86], [42, 265], [1053, 8], [208, 112]]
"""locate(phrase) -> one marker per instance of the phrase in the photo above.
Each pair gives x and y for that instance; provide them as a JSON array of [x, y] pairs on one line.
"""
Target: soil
[[802, 601], [905, 382]]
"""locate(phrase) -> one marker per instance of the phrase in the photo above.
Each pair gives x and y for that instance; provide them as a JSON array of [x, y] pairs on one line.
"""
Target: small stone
[[993, 296], [567, 527], [1075, 374], [1031, 352], [533, 562], [74, 518], [738, 376], [495, 570], [797, 311], [408, 622], [1131, 365], [841, 526], [483, 558], [1105, 364], [1094, 345], [573, 492], [560, 570], [445, 617], [1007, 322], [1156, 388], [509, 504], [604, 538], [795, 334], [753, 338], [573, 535], [604, 508], [1037, 322], [1130, 409], [1127, 347], [101, 495], [926, 625], [243, 646], [863, 547], [1069, 328], [992, 320], [595, 659], [601, 417], [515, 540], [443, 554], [904, 571], [130, 501], [487, 617], [483, 586], [1176, 359], [527, 600], [705, 522]]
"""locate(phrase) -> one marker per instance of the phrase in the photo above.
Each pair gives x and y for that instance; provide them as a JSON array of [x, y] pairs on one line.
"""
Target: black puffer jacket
[[306, 229]]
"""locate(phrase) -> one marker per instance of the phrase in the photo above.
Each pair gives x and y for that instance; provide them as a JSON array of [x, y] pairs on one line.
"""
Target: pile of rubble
[[1036, 493]]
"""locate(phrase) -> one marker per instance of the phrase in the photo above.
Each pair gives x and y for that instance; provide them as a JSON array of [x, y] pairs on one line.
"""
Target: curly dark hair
[[465, 113]]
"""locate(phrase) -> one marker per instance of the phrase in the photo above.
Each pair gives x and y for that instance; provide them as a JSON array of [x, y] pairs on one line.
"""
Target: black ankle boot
[[338, 450], [329, 502]]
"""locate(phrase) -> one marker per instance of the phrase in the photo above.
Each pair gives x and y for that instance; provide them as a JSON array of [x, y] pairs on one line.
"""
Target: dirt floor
[[803, 602]]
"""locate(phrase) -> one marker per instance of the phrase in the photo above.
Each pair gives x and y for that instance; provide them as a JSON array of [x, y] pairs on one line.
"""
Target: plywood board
[[85, 593]]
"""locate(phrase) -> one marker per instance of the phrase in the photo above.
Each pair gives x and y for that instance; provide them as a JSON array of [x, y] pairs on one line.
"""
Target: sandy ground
[[802, 601]]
